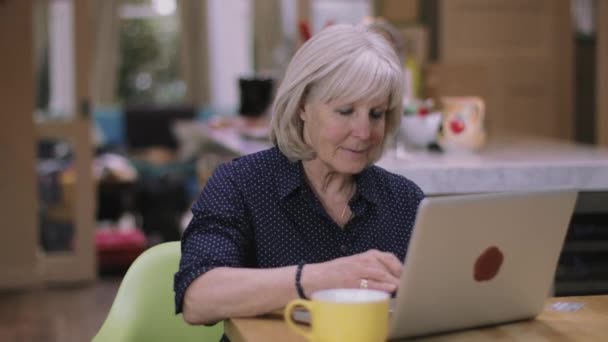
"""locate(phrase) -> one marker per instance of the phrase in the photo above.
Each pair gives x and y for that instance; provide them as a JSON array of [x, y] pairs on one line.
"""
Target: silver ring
[[363, 283]]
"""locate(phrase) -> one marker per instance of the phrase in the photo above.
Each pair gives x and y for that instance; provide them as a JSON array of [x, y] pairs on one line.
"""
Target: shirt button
[[344, 249]]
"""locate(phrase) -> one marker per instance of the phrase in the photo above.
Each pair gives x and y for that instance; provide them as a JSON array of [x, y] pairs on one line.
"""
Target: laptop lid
[[479, 260]]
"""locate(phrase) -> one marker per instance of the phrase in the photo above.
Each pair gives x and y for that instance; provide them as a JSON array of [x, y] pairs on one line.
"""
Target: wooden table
[[589, 323]]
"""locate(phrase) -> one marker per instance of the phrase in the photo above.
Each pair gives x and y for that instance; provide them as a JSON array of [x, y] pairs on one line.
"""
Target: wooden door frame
[[19, 232], [601, 123], [78, 264]]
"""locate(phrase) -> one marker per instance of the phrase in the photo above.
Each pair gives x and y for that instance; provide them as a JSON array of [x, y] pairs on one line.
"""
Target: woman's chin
[[354, 162], [351, 167]]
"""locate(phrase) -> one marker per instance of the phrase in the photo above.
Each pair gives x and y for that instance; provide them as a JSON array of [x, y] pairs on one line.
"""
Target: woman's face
[[345, 136]]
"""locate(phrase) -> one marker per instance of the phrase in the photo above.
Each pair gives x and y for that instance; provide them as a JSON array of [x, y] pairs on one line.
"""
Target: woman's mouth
[[355, 150]]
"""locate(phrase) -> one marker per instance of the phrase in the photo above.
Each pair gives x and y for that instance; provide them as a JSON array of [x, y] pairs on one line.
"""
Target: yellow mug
[[338, 315]]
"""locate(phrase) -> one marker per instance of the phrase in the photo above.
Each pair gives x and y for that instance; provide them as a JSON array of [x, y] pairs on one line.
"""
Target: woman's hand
[[381, 270], [249, 292]]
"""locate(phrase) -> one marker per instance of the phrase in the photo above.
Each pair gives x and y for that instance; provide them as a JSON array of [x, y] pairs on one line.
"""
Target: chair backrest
[[143, 309]]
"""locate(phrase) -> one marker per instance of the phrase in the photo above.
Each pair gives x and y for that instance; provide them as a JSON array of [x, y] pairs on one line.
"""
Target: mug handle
[[291, 323]]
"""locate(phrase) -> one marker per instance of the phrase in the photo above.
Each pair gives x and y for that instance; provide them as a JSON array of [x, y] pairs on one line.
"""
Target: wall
[[524, 50], [230, 50], [602, 72]]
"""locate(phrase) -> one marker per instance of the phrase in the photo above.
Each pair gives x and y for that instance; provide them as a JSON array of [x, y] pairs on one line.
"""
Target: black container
[[255, 96]]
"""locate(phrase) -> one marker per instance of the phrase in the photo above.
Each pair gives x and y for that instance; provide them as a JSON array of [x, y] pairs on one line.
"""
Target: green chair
[[143, 309]]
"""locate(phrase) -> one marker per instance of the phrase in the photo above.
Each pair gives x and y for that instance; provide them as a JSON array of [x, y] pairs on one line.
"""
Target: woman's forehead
[[357, 92], [377, 101], [364, 79], [351, 96]]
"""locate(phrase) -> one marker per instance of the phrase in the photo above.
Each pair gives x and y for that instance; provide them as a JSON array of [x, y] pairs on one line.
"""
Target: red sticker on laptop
[[488, 264]]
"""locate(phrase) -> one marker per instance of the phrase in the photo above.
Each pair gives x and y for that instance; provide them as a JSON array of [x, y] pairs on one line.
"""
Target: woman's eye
[[376, 114], [345, 111]]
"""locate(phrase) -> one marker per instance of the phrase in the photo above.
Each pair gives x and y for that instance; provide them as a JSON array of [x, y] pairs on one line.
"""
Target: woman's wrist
[[310, 279], [298, 281]]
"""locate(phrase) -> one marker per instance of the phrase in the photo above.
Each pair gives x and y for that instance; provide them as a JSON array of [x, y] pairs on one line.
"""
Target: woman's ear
[[302, 106], [302, 112]]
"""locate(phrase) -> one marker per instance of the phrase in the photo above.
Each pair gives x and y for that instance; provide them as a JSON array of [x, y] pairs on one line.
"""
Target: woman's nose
[[362, 127]]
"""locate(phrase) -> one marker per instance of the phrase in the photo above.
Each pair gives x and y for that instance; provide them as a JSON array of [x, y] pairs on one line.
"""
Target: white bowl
[[419, 130]]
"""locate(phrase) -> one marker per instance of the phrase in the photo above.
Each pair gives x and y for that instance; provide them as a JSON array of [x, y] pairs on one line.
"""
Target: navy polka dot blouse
[[259, 211]]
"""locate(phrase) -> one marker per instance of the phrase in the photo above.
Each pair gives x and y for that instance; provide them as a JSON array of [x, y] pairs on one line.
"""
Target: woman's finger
[[392, 264], [379, 274], [378, 285]]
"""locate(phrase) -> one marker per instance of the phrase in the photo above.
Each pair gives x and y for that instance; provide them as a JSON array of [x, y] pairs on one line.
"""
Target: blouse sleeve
[[218, 234]]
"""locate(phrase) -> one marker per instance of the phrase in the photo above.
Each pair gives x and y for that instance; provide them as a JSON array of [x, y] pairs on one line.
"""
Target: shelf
[[569, 288], [594, 246]]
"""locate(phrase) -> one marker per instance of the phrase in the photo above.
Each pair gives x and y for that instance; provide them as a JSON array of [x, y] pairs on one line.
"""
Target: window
[[148, 70]]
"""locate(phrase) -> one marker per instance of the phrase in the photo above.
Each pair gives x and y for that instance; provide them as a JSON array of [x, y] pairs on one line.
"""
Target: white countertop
[[505, 164]]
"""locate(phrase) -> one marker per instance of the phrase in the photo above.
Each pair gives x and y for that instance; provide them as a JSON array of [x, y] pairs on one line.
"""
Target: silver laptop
[[480, 260]]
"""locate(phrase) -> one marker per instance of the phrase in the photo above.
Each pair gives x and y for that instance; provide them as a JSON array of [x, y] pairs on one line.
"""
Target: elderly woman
[[313, 212]]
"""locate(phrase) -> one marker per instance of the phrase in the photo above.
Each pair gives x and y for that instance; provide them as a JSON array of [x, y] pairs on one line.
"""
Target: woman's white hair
[[341, 62]]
